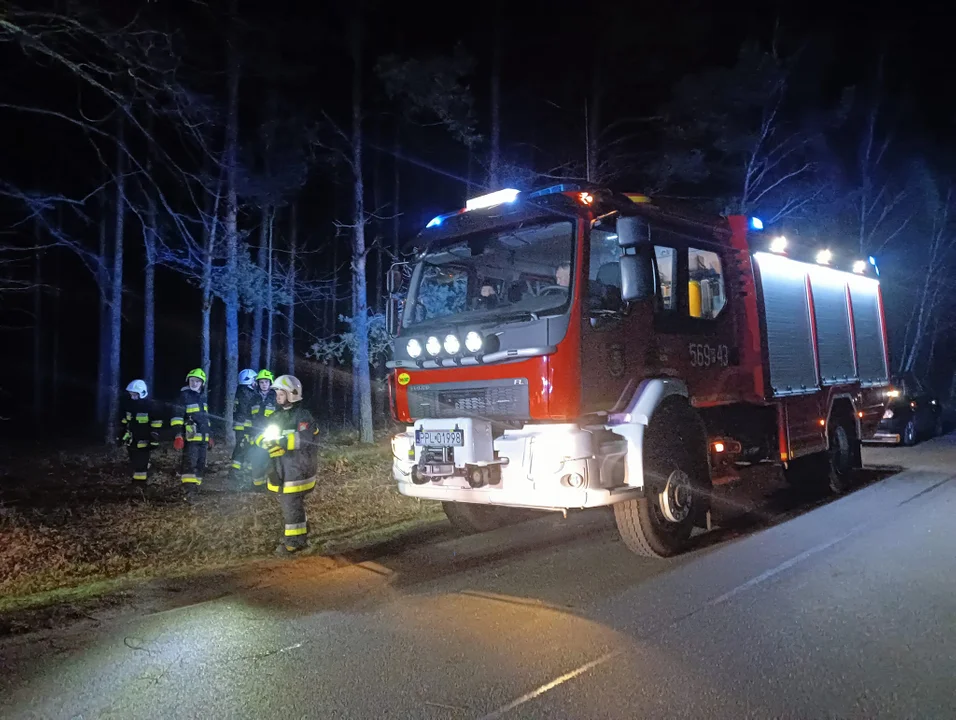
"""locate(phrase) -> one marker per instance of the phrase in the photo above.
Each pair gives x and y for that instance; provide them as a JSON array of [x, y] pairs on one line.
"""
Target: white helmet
[[292, 386], [138, 387], [247, 377]]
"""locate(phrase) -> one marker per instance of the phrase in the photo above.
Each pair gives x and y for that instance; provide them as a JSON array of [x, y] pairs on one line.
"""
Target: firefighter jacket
[[246, 399], [141, 420], [191, 416], [295, 454], [262, 408]]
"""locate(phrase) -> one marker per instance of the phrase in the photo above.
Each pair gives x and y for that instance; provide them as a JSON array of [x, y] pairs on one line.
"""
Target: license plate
[[440, 438]]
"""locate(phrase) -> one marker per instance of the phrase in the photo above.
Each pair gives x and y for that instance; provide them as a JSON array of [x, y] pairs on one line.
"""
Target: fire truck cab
[[574, 347]]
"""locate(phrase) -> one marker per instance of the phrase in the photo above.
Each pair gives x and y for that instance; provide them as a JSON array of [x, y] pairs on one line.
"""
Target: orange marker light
[[586, 198], [718, 447], [822, 422]]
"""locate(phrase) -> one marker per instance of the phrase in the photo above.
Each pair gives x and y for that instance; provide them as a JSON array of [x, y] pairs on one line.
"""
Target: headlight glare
[[452, 344], [414, 349], [432, 346], [473, 342]]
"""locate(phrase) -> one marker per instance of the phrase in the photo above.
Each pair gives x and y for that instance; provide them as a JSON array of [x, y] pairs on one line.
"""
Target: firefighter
[[256, 461], [289, 439], [141, 423], [190, 423], [246, 397]]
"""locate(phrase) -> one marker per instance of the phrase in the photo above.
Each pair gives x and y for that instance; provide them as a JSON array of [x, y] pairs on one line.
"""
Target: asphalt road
[[844, 610]]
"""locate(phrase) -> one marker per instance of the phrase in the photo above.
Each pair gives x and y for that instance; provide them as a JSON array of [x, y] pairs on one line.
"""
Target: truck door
[[695, 325], [615, 339]]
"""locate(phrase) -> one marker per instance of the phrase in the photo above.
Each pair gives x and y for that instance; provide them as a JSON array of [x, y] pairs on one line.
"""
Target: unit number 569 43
[[707, 355]]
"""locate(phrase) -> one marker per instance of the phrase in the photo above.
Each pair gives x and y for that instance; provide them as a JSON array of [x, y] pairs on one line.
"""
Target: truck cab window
[[666, 271], [604, 271], [705, 287]]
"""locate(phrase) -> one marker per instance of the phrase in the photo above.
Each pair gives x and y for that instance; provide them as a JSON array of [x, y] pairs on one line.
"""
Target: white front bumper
[[544, 462]]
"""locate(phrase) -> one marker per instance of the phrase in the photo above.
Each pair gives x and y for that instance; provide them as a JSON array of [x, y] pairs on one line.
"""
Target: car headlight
[[888, 415], [452, 344], [473, 342], [414, 349], [432, 346]]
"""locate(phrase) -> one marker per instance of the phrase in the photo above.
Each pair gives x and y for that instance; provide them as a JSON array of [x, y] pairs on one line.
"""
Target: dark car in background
[[912, 414]]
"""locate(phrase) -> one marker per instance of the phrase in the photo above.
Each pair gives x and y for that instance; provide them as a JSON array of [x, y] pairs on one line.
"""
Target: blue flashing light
[[554, 189], [434, 222], [756, 223], [872, 261]]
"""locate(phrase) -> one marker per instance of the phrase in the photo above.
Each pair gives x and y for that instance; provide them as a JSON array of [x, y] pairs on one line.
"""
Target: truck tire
[[839, 458], [677, 485], [831, 469], [472, 518]]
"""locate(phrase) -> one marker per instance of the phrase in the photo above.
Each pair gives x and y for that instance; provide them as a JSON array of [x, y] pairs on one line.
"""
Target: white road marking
[[504, 709], [754, 581]]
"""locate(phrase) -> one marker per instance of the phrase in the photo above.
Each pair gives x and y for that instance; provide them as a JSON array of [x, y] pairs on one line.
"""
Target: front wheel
[[659, 524]]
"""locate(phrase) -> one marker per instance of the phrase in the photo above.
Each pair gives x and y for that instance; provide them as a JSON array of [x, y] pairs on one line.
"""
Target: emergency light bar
[[491, 199]]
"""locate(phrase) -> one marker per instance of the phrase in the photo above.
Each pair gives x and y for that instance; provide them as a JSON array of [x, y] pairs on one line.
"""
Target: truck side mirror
[[391, 316], [637, 276], [393, 281], [632, 231]]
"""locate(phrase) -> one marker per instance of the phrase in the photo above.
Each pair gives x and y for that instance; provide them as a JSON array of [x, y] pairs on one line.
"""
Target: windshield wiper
[[518, 315]]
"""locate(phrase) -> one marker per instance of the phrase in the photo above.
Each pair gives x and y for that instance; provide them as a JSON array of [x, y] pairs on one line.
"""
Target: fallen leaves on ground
[[75, 518]]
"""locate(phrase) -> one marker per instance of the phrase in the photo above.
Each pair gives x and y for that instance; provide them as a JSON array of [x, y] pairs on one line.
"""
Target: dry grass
[[75, 519]]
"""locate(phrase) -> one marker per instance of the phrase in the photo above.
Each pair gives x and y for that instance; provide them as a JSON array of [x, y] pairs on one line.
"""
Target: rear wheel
[[676, 484], [471, 518], [840, 458]]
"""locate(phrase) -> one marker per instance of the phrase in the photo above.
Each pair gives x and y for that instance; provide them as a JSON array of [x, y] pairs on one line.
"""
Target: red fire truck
[[575, 347]]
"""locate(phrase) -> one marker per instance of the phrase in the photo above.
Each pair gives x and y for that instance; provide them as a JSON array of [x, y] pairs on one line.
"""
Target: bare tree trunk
[[396, 195], [116, 296], [359, 290], [149, 289], [270, 300], [103, 282], [232, 235], [356, 404], [55, 324], [38, 375], [331, 309], [290, 312], [494, 161], [209, 250], [255, 340]]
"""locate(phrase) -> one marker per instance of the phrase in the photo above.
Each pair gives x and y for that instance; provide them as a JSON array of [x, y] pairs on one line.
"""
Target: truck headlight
[[473, 342], [414, 349], [432, 346], [452, 344]]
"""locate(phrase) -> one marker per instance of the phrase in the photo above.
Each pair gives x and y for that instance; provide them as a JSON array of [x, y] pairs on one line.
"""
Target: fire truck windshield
[[519, 271]]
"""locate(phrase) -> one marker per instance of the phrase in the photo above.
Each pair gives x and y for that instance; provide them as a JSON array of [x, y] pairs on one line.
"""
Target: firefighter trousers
[[193, 464], [237, 476], [296, 531], [139, 463], [256, 465]]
